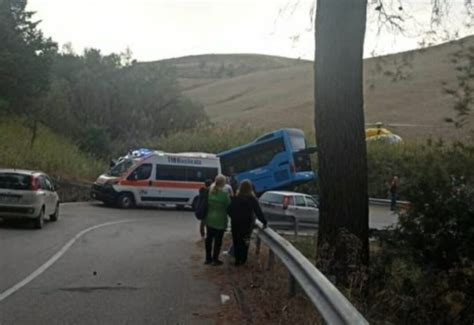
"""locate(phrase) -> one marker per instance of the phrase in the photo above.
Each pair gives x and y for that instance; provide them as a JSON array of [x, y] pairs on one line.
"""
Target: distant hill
[[403, 89]]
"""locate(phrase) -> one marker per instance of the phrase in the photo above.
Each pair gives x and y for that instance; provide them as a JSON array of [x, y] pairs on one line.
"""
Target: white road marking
[[5, 294]]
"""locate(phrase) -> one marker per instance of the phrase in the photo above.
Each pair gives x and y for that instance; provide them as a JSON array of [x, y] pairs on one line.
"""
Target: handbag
[[202, 206]]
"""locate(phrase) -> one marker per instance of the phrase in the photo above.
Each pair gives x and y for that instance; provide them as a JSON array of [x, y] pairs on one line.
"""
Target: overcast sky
[[158, 29]]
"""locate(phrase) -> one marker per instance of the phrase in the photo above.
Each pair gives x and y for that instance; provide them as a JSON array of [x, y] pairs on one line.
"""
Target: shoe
[[217, 263], [207, 262]]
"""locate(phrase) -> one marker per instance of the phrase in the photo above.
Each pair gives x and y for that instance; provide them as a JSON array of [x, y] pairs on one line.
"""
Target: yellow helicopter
[[381, 134]]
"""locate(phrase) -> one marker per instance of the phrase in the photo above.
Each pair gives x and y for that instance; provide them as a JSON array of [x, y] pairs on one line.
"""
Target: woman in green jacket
[[216, 219]]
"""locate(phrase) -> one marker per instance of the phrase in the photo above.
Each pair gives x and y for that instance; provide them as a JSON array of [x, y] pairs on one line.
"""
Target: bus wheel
[[125, 201]]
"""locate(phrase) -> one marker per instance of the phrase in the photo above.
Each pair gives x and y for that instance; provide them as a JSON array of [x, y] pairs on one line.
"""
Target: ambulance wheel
[[125, 201]]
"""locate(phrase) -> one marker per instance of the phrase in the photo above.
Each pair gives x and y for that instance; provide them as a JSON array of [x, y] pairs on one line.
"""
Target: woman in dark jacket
[[241, 211]]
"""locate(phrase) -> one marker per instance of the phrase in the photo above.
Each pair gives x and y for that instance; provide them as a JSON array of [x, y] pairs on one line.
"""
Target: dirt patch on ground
[[258, 295]]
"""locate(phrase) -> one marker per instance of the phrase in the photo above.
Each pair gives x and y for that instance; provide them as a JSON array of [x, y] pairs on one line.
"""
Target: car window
[[311, 202], [272, 198], [264, 197], [142, 172], [49, 183], [43, 183], [299, 201], [14, 181]]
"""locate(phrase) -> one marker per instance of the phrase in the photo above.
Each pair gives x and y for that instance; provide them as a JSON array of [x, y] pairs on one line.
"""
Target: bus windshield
[[120, 168], [297, 142]]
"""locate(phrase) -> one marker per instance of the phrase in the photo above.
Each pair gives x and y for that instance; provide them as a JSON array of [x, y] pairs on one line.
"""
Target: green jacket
[[217, 210]]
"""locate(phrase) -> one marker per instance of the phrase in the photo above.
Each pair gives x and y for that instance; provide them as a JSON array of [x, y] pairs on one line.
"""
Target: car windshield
[[120, 168], [14, 181]]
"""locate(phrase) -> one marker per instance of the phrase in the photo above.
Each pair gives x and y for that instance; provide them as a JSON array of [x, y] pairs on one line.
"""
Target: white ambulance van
[[156, 178]]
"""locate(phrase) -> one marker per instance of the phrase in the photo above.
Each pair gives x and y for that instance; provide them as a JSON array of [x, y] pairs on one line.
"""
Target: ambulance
[[154, 178]]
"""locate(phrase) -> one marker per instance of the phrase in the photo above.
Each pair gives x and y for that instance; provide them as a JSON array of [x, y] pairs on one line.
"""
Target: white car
[[27, 195], [282, 205]]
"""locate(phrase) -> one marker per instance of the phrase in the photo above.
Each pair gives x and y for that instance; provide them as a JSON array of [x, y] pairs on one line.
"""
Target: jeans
[[393, 201], [213, 236], [241, 240]]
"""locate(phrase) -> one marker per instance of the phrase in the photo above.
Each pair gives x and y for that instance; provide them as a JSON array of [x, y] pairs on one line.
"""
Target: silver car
[[28, 195], [282, 206]]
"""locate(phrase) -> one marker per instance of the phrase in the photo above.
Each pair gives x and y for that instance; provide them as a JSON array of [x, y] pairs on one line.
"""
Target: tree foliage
[[25, 56], [105, 101], [424, 267]]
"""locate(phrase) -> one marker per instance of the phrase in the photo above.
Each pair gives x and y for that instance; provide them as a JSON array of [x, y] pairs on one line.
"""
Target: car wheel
[[125, 201], [39, 221], [55, 215]]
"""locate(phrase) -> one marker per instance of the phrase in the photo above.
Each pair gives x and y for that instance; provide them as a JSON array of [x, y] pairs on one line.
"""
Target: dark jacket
[[242, 210]]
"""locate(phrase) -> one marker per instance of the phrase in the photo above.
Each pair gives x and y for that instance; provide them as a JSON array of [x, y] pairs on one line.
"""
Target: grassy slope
[[51, 153], [270, 92]]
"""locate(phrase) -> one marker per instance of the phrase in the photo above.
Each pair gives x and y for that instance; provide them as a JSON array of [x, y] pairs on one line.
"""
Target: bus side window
[[142, 172]]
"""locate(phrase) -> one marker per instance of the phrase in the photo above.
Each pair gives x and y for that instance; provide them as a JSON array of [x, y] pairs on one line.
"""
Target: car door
[[272, 206], [303, 212], [313, 207], [46, 194], [52, 193]]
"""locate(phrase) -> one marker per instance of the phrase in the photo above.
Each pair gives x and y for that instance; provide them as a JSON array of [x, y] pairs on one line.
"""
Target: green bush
[[424, 269], [50, 153]]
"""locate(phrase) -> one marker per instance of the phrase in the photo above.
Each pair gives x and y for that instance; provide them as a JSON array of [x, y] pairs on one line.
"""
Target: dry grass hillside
[[271, 92]]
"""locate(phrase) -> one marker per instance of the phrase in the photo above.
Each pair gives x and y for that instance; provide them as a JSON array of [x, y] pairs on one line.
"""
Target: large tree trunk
[[340, 137]]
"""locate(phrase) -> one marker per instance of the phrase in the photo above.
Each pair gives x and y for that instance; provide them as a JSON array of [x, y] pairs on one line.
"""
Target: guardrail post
[[257, 246], [291, 285], [295, 221], [271, 259]]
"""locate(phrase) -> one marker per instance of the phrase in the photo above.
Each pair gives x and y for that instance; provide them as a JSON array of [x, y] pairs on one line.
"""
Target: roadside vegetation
[[207, 138], [422, 269], [51, 153]]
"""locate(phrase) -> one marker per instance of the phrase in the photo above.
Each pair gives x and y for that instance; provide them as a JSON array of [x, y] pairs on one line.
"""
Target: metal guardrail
[[387, 202], [293, 224], [328, 300]]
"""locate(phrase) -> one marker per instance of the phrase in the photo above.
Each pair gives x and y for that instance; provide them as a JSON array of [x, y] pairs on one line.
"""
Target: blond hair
[[219, 183]]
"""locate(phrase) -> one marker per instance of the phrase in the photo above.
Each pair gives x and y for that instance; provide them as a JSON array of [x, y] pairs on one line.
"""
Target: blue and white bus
[[276, 160]]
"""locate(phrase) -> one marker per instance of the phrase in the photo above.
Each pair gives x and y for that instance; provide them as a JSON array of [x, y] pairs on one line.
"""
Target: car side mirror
[[56, 187]]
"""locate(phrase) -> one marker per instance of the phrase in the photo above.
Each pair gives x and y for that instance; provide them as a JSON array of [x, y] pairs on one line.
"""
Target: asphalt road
[[143, 270], [137, 272], [381, 217]]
